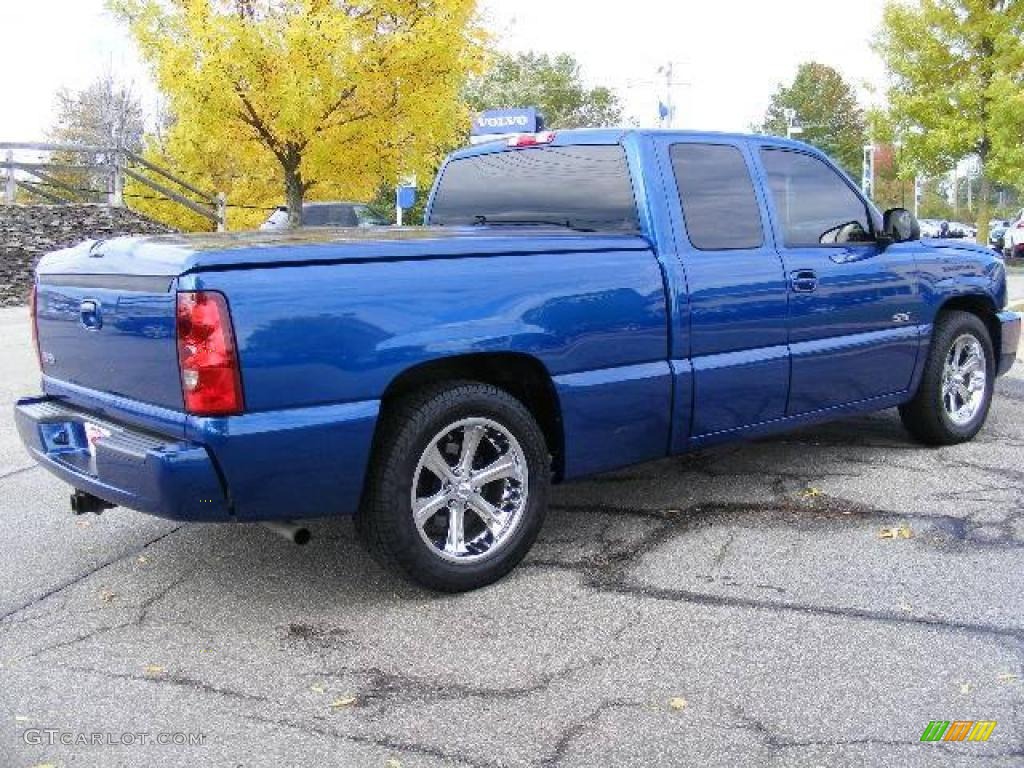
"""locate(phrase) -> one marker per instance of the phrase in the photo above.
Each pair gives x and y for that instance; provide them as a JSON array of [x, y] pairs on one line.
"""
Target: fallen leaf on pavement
[[21, 719], [154, 670], [316, 688], [965, 687], [677, 703], [1006, 677], [107, 595], [348, 701], [811, 492], [899, 532]]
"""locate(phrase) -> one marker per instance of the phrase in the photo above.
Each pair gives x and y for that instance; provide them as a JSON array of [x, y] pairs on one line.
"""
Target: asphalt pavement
[[810, 600]]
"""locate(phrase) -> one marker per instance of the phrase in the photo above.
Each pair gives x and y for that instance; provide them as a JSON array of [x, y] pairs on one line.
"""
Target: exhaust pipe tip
[[298, 535]]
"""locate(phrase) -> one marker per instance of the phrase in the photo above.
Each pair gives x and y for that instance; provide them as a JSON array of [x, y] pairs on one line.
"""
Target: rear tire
[[457, 489], [953, 400]]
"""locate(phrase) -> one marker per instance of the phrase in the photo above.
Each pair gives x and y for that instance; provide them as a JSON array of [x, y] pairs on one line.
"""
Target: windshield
[[586, 187]]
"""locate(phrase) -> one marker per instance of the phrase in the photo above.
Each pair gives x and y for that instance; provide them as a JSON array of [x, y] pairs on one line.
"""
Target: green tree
[[553, 84], [956, 86], [382, 206], [893, 184], [826, 108], [935, 199]]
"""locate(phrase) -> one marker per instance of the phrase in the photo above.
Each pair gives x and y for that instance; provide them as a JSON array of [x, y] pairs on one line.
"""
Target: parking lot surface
[[813, 599]]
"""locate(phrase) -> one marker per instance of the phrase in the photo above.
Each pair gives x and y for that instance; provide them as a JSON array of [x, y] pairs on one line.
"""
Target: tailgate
[[111, 333]]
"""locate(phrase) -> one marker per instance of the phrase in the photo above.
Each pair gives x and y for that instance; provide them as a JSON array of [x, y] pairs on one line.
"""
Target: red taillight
[[210, 379], [32, 304], [532, 139]]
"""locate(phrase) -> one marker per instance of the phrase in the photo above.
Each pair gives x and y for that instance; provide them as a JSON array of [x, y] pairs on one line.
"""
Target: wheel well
[[984, 308], [522, 376]]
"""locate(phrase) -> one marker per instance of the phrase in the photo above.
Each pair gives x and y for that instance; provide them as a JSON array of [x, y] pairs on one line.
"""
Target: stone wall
[[29, 231]]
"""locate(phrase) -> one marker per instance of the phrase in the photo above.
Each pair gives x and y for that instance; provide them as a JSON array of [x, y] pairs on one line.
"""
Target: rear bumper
[[161, 476], [291, 464], [1010, 339]]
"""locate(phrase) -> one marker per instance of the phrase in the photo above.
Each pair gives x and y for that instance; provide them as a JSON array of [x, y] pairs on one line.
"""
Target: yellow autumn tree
[[277, 100]]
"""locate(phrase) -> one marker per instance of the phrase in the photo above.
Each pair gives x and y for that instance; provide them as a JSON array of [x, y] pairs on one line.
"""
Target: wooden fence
[[56, 181]]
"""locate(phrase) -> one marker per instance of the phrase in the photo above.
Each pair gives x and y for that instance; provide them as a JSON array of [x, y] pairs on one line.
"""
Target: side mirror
[[899, 226]]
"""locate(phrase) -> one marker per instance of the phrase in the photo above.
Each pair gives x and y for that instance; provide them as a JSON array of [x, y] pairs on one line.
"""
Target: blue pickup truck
[[577, 302]]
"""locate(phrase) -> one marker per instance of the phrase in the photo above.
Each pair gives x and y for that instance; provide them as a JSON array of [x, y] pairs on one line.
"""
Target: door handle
[[803, 280]]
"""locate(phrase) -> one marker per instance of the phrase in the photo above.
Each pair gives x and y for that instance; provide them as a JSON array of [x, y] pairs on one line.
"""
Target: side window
[[717, 197], [814, 205]]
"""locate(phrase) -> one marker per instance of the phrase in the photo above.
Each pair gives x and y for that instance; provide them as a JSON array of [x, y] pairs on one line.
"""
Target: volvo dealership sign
[[497, 123]]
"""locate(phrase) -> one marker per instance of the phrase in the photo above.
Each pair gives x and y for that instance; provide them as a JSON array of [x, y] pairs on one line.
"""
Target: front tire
[[457, 490], [952, 403]]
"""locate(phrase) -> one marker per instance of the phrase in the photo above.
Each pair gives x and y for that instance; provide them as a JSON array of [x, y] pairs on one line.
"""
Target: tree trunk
[[293, 194], [983, 208]]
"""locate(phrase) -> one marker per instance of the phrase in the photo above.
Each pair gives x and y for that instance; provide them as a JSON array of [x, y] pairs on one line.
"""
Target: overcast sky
[[728, 56]]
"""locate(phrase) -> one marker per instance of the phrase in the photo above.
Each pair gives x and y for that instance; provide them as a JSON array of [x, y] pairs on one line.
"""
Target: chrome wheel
[[964, 379], [469, 490]]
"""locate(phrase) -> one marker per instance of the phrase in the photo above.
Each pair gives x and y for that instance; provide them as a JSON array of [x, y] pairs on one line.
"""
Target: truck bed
[[174, 255]]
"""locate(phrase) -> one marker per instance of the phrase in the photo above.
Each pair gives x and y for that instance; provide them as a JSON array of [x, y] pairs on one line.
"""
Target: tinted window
[[717, 196], [584, 186], [332, 215], [814, 204]]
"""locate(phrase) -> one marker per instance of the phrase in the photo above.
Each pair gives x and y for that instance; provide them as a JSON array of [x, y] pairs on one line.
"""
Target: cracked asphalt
[[734, 607]]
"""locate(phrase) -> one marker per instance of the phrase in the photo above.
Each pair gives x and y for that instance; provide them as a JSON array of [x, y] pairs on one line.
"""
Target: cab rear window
[[583, 186]]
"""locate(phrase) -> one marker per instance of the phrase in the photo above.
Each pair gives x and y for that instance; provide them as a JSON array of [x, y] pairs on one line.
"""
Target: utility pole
[[669, 106]]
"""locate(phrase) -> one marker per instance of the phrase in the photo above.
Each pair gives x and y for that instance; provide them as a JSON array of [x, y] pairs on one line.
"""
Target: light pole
[[670, 109], [867, 173]]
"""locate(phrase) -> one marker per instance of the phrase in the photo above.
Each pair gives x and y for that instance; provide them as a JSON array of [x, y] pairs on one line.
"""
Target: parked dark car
[[330, 214]]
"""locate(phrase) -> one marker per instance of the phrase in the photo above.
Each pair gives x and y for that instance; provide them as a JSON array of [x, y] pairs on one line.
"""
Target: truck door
[[735, 283], [853, 308]]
